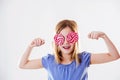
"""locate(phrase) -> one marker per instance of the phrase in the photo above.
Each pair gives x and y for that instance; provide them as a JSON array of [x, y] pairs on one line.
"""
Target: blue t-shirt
[[69, 71]]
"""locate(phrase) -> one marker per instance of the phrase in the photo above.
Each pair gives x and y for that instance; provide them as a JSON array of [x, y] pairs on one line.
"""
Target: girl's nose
[[66, 42]]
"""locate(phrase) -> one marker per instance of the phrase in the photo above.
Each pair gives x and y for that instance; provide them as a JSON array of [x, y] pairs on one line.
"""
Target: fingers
[[37, 42], [95, 35]]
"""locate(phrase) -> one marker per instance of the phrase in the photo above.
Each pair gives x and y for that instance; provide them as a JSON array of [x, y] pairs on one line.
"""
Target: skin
[[96, 58]]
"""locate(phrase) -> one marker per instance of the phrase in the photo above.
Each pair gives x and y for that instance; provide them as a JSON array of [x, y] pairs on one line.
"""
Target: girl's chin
[[66, 52]]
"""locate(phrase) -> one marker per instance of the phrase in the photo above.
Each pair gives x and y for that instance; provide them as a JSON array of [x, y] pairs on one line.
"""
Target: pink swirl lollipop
[[59, 39], [72, 37]]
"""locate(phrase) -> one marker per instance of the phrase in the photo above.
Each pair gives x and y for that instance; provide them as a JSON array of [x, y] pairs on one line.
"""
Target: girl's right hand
[[37, 42]]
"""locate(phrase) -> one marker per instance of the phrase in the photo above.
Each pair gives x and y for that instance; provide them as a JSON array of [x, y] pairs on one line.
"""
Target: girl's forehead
[[65, 31]]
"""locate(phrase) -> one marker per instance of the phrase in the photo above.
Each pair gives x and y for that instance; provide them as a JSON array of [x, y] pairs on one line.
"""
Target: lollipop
[[72, 37], [59, 39]]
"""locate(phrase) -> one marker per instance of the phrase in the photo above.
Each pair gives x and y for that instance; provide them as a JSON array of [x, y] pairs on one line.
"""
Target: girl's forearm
[[25, 57], [111, 48]]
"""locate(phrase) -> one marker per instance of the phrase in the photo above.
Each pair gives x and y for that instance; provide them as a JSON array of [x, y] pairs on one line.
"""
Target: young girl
[[67, 63]]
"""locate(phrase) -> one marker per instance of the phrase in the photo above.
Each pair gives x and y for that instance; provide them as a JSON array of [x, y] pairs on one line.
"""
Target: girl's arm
[[112, 53], [25, 63]]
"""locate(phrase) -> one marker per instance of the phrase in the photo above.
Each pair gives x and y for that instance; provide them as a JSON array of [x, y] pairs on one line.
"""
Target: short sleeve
[[85, 57], [46, 60]]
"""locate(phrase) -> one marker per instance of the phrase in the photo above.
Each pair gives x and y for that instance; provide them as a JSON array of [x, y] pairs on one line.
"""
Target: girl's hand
[[96, 35], [37, 42]]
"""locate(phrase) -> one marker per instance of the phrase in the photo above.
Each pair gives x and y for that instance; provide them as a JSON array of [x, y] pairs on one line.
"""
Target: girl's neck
[[66, 58]]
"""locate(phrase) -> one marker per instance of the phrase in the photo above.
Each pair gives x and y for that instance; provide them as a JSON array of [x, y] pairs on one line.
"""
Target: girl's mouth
[[66, 47]]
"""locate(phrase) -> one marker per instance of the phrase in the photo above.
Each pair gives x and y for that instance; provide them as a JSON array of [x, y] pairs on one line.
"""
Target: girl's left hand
[[96, 35]]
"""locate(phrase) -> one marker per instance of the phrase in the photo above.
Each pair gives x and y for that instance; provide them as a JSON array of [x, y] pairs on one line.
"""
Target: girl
[[67, 63]]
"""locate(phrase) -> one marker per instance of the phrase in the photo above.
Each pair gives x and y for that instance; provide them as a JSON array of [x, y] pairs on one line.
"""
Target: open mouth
[[66, 47]]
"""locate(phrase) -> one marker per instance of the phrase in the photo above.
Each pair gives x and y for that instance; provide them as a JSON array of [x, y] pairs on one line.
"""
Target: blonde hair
[[59, 27]]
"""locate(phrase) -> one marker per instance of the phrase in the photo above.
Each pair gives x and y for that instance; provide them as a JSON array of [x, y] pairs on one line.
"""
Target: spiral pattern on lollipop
[[72, 37], [59, 39]]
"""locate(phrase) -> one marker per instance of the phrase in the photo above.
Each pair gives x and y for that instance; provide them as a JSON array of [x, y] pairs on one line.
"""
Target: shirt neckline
[[67, 64]]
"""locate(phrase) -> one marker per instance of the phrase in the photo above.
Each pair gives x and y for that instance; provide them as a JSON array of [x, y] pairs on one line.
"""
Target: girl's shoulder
[[85, 58], [48, 57], [84, 55], [47, 60]]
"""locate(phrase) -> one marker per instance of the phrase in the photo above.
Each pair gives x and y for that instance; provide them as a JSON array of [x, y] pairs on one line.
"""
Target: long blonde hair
[[59, 27]]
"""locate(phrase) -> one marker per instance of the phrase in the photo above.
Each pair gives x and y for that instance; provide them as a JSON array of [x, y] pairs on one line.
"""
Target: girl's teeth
[[66, 47]]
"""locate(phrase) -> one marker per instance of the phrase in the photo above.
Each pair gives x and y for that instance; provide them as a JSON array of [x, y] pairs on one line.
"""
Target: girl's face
[[66, 40]]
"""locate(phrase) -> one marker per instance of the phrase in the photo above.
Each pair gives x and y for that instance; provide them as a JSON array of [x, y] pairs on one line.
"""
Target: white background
[[23, 20]]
